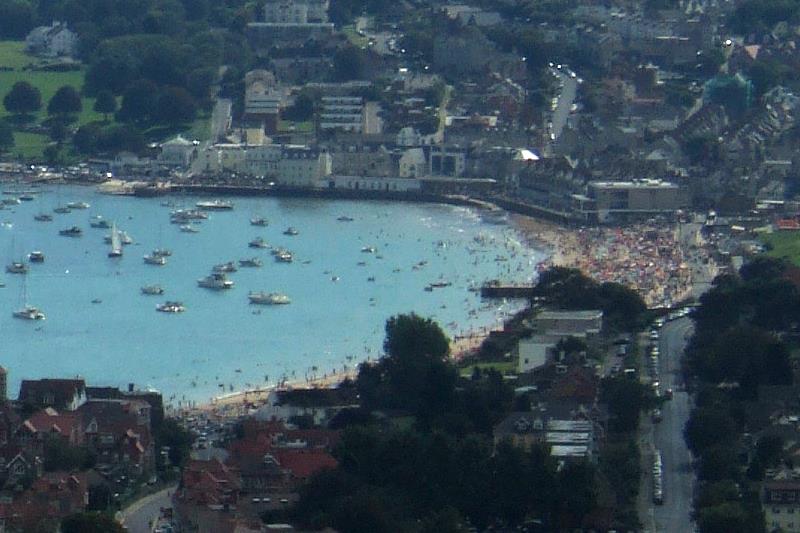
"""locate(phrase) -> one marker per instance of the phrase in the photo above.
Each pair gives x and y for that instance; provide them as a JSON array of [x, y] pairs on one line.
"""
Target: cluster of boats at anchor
[[217, 279]]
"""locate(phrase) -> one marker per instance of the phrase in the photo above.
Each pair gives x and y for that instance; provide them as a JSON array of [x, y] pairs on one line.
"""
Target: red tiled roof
[[787, 224], [304, 463]]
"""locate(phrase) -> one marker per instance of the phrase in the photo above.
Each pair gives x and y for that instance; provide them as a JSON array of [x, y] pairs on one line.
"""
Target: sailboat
[[116, 243], [27, 311]]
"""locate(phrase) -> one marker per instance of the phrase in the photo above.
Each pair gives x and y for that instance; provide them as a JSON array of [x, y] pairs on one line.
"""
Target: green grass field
[[12, 55], [28, 145], [783, 244]]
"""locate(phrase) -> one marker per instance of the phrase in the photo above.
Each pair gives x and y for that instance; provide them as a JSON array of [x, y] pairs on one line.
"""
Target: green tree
[[16, 19], [6, 136], [179, 440], [105, 103], [706, 427], [66, 100], [90, 523], [139, 102], [348, 64], [175, 106], [23, 99], [301, 110]]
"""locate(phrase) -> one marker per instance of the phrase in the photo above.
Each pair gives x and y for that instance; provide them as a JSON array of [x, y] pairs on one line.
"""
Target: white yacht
[[155, 260], [217, 205], [171, 307], [258, 221], [36, 256], [182, 216], [29, 312], [252, 262], [98, 221], [225, 267], [116, 243], [17, 267], [216, 281], [124, 238], [284, 256], [78, 205], [258, 242], [162, 252], [268, 298], [188, 228], [152, 290]]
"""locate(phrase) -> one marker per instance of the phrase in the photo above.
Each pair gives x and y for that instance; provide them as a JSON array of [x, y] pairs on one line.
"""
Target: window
[[776, 510]]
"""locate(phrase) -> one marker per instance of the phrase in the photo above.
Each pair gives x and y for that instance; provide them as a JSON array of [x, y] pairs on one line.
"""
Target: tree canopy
[[568, 288], [66, 100], [23, 98], [92, 522], [6, 136]]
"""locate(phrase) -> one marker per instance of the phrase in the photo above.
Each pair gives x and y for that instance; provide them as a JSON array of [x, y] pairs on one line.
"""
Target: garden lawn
[[28, 145], [784, 244], [12, 55]]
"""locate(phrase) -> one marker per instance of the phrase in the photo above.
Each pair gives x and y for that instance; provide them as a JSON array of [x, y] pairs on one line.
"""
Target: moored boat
[[29, 312], [258, 242], [17, 267], [284, 256], [36, 256], [98, 221], [171, 307], [152, 290], [291, 231], [345, 218], [116, 243], [225, 267], [62, 210], [188, 228], [78, 205], [268, 298], [73, 231], [217, 205], [43, 217], [215, 281], [155, 260], [252, 262], [258, 221]]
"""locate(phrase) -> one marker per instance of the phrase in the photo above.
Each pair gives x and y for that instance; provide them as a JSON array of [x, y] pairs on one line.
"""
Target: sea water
[[100, 326]]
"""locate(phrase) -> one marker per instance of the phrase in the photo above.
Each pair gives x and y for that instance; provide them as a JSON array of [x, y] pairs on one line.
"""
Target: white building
[[176, 152], [344, 113], [295, 11], [301, 166], [536, 351], [413, 164], [361, 183], [55, 40], [566, 323]]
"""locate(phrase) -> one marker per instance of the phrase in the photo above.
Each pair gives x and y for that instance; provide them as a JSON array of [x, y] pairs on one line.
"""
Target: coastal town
[[642, 376]]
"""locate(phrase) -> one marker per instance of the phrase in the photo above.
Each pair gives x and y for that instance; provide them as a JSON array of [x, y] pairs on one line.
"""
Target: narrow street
[[666, 437], [141, 514]]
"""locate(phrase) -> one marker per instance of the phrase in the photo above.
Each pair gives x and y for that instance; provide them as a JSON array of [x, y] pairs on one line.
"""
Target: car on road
[[653, 335], [668, 394], [657, 416]]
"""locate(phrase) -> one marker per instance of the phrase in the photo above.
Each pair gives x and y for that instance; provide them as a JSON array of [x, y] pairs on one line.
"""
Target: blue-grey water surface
[[221, 342]]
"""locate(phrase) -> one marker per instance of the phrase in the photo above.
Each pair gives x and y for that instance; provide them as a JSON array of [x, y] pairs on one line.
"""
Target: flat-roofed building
[[606, 200], [781, 502], [566, 323]]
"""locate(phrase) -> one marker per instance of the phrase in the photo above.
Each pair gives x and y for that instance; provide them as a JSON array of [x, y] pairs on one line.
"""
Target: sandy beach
[[645, 257]]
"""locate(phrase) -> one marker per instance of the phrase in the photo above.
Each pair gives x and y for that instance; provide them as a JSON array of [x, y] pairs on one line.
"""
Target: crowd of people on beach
[[647, 258]]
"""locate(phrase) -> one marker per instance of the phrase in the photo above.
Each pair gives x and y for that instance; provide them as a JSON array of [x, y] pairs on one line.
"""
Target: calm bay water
[[336, 317]]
